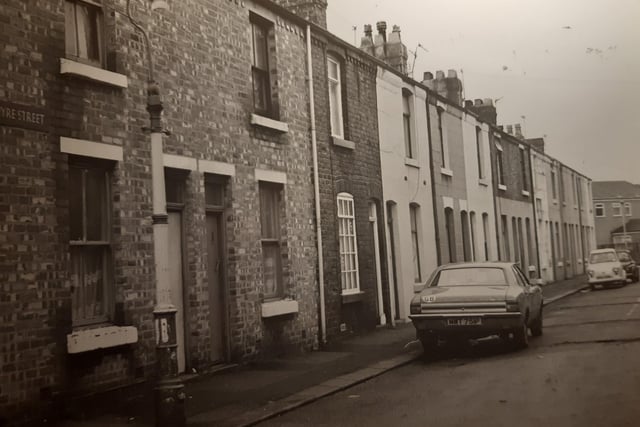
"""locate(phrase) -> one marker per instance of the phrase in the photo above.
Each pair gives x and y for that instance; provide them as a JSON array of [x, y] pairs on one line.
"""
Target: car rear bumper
[[606, 280], [490, 323]]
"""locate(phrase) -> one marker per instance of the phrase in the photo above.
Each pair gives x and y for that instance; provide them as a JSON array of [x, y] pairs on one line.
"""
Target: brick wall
[[205, 81], [354, 171]]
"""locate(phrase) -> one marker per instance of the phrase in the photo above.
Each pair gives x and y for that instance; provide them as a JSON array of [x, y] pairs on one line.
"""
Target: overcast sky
[[570, 67]]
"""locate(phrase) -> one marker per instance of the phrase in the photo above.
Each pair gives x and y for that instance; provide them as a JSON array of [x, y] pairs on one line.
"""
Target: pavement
[[246, 395]]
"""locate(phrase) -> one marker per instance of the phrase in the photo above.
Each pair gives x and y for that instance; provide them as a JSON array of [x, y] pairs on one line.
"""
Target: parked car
[[629, 265], [605, 269], [474, 300]]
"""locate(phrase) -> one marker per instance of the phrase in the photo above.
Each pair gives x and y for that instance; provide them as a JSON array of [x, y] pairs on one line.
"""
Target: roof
[[631, 226], [615, 189]]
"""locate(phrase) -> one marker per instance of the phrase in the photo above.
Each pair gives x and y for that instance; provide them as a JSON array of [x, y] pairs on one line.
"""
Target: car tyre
[[429, 343], [536, 328], [521, 336]]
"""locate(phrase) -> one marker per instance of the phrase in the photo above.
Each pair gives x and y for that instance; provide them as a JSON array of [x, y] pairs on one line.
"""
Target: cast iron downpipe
[[169, 394]]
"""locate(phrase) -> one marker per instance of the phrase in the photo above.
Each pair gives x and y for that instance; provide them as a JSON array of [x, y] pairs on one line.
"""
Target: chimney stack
[[366, 43], [537, 143], [485, 110], [510, 129], [518, 131], [449, 87], [388, 49], [311, 10]]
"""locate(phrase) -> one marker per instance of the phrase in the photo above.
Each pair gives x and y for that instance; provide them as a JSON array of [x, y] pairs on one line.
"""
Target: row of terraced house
[[298, 213]]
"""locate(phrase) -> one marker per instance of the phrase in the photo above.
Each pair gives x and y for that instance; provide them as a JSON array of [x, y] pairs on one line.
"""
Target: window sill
[[102, 337], [90, 72], [555, 201], [279, 308], [447, 172], [266, 122], [502, 187], [353, 297], [525, 193], [483, 182], [411, 162], [532, 268], [344, 143], [560, 264]]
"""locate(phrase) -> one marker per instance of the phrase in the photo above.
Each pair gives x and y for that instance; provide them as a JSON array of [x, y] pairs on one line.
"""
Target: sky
[[567, 70]]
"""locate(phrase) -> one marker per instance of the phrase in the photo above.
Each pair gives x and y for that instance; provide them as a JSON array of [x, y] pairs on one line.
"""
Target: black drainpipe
[[433, 186]]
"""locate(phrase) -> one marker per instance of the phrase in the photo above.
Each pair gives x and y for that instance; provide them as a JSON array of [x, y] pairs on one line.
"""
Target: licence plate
[[464, 321], [602, 275]]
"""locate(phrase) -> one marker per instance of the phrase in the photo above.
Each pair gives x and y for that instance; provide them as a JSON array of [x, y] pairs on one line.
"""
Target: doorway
[[216, 266]]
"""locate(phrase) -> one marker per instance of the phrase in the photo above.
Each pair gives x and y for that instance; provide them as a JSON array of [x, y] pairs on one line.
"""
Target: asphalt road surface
[[584, 371]]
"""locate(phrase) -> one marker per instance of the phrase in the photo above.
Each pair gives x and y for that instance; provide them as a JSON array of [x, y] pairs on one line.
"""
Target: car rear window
[[470, 277], [623, 256], [603, 257]]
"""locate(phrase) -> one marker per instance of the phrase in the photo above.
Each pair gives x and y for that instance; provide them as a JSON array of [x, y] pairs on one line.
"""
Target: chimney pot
[[427, 75], [510, 129], [367, 30], [468, 103], [452, 74], [396, 28], [477, 101], [439, 75], [501, 127], [382, 27], [488, 101]]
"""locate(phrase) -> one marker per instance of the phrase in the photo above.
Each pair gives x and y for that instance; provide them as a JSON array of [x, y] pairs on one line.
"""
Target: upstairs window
[[600, 210], [554, 185], [335, 97], [617, 210], [480, 153], [90, 242], [443, 147], [523, 169], [627, 209], [260, 75], [270, 212], [348, 244], [500, 164], [407, 108], [83, 31]]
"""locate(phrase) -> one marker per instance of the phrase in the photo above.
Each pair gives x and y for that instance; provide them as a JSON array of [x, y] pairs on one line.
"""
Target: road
[[584, 371]]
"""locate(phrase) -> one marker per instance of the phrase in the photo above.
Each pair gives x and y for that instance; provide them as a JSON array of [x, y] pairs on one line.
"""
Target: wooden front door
[[215, 272]]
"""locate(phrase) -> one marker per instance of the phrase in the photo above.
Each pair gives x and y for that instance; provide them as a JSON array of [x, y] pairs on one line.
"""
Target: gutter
[[316, 190]]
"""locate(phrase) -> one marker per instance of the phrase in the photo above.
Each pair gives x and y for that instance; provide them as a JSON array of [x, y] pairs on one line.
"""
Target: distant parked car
[[629, 265], [605, 269], [474, 300]]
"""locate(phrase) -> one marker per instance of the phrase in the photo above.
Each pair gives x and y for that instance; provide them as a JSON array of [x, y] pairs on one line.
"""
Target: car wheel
[[429, 343], [536, 328], [521, 336]]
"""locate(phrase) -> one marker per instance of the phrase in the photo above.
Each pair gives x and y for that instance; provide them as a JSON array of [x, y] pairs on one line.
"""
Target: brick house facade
[[239, 193], [349, 169]]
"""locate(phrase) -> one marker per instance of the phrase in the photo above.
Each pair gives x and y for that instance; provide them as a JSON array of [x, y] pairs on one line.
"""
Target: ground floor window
[[348, 244]]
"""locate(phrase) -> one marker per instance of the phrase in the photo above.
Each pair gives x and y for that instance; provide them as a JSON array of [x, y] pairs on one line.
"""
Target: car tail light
[[616, 270], [513, 306], [591, 273]]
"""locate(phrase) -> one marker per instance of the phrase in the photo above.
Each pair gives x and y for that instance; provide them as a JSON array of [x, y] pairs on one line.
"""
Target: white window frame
[[95, 5], [408, 129], [79, 246], [274, 192], [335, 98], [480, 153], [500, 167], [627, 209], [600, 206], [614, 206], [444, 143], [348, 244]]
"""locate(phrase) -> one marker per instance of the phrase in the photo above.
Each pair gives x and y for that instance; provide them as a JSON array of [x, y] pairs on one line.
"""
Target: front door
[[175, 281], [215, 272]]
